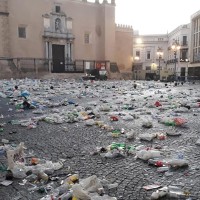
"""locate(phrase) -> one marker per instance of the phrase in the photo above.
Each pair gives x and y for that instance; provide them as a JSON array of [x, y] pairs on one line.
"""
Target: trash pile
[[37, 175], [140, 118]]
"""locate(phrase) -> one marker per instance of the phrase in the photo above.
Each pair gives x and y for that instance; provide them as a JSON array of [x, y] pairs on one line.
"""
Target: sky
[[155, 16]]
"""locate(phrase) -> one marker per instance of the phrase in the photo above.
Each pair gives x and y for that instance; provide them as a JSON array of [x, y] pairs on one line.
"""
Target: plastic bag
[[127, 117], [160, 193], [178, 163], [25, 93], [15, 155], [179, 121], [130, 135], [147, 136], [89, 122], [105, 108], [104, 197], [147, 124], [18, 172], [146, 155], [80, 193], [91, 184]]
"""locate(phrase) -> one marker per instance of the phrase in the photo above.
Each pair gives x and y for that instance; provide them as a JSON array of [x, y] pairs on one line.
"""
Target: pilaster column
[[113, 2], [46, 50]]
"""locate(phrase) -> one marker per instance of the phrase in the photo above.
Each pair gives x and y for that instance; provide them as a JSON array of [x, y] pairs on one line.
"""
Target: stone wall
[[4, 29], [124, 47]]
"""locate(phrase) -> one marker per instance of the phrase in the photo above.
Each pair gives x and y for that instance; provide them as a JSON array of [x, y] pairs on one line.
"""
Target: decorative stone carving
[[58, 24]]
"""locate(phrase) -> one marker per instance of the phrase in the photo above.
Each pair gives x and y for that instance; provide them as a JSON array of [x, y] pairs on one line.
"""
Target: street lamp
[[154, 68], [160, 54], [175, 47], [136, 59], [186, 71]]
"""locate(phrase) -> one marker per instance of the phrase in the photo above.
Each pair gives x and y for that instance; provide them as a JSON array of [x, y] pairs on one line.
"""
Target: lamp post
[[137, 58], [154, 68], [186, 71], [160, 54], [175, 47]]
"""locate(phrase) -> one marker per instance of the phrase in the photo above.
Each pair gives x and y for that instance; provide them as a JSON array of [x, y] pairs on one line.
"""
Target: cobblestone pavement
[[50, 142]]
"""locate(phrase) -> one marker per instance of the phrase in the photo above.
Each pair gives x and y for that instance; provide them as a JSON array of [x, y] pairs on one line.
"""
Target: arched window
[[58, 24]]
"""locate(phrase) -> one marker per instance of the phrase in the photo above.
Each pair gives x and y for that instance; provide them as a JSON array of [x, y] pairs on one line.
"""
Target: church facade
[[64, 31]]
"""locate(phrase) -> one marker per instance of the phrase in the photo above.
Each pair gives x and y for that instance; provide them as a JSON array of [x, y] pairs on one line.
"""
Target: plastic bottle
[[118, 146], [180, 155], [43, 176], [170, 123], [163, 169], [66, 196], [175, 192], [112, 186], [34, 161], [32, 177], [116, 133], [72, 179], [113, 118], [152, 161], [159, 164], [64, 188]]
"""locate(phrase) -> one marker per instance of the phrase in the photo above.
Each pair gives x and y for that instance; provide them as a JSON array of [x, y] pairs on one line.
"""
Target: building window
[[22, 32], [183, 53], [57, 9], [87, 38], [138, 53], [184, 40], [148, 67], [199, 39], [148, 55], [160, 39]]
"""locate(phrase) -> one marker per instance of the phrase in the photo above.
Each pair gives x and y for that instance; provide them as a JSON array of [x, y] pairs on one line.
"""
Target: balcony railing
[[172, 61], [184, 43]]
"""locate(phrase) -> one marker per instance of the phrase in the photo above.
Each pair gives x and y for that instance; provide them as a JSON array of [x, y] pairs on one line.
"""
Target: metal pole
[[159, 67], [186, 79], [175, 65]]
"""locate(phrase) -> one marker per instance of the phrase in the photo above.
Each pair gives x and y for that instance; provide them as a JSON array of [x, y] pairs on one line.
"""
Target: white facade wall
[[151, 43], [195, 38]]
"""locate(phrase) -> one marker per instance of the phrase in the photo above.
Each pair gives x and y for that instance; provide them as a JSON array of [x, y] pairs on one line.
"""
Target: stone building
[[65, 34], [146, 61], [194, 66], [154, 58]]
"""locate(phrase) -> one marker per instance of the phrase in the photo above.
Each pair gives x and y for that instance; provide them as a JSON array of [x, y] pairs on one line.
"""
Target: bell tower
[[4, 29]]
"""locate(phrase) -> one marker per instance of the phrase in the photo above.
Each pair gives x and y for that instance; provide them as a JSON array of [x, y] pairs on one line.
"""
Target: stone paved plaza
[[76, 142]]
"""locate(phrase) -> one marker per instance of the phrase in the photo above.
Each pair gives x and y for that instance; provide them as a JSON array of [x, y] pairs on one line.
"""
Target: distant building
[[181, 35], [145, 58], [64, 31], [153, 57], [194, 66]]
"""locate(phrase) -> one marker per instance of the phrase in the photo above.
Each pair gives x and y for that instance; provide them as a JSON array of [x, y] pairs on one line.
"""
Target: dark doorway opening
[[151, 76], [58, 58]]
